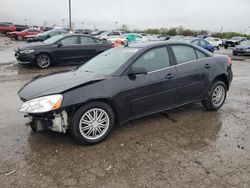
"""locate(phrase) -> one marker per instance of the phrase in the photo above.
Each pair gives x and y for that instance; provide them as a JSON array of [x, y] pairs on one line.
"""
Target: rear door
[[155, 90], [193, 69], [88, 48]]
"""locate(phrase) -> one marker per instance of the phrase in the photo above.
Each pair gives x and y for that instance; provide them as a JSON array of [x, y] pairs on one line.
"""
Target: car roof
[[76, 34], [154, 44]]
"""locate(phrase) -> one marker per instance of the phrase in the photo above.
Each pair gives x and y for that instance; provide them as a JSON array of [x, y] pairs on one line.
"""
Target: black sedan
[[68, 48], [125, 83], [242, 49]]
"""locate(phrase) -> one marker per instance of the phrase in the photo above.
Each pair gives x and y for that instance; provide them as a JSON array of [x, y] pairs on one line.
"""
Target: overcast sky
[[233, 15]]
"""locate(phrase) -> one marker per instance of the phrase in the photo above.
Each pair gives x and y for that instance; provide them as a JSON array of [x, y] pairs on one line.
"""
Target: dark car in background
[[6, 27], [234, 41], [21, 27], [20, 35], [242, 49], [45, 35], [67, 48], [125, 83]]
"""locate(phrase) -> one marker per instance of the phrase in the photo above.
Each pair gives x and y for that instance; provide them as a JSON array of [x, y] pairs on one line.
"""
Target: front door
[[67, 52], [155, 90]]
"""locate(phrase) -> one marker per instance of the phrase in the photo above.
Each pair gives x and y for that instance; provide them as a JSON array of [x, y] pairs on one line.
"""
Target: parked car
[[83, 31], [162, 38], [110, 34], [202, 36], [45, 35], [135, 37], [125, 83], [20, 35], [150, 37], [6, 27], [97, 33], [21, 27], [67, 48], [234, 41], [199, 42], [242, 49], [216, 42]]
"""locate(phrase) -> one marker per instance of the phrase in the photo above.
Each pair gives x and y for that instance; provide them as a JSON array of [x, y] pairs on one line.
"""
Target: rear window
[[200, 54], [183, 53]]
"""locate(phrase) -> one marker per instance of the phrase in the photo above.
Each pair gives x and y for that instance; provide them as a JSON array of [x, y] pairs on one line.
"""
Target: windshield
[[108, 61], [245, 43], [44, 33], [235, 38], [53, 39]]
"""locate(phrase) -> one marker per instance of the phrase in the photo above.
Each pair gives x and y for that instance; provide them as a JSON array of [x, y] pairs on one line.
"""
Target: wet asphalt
[[184, 147]]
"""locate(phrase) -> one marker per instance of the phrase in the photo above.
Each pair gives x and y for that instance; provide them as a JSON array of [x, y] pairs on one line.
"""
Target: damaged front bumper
[[56, 121]]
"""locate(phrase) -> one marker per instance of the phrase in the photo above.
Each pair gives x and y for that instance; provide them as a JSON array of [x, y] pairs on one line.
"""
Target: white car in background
[[110, 34], [150, 37], [216, 42]]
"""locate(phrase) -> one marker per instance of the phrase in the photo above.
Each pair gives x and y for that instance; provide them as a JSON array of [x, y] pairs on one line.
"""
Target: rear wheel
[[216, 96], [92, 123], [43, 61]]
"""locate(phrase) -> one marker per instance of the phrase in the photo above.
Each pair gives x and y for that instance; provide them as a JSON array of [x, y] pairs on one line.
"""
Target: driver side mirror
[[59, 45], [137, 70]]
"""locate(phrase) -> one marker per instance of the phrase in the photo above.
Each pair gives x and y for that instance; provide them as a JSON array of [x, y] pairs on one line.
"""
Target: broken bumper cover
[[56, 121]]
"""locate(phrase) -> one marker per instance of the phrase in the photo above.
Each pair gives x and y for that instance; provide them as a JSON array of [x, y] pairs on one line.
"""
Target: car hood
[[32, 46], [57, 83], [242, 47], [231, 40]]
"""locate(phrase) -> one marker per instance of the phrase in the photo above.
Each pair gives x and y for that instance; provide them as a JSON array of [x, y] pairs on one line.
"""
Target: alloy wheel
[[218, 95], [94, 123], [43, 61]]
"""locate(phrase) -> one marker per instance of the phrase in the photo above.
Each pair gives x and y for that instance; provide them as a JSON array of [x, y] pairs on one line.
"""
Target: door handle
[[207, 66], [169, 76]]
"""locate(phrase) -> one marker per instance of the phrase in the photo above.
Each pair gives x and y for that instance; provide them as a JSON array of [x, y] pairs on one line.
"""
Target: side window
[[200, 55], [111, 34], [203, 42], [196, 42], [154, 59], [69, 40], [87, 40], [183, 53]]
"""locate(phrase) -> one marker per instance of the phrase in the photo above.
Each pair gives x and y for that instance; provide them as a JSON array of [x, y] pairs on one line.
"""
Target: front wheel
[[19, 37], [92, 123], [43, 61], [216, 96]]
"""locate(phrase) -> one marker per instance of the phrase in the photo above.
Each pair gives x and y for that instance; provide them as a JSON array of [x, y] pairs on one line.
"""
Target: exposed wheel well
[[222, 78], [72, 110]]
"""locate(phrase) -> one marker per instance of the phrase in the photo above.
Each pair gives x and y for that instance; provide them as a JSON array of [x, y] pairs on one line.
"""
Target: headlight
[[42, 104], [248, 50], [27, 51]]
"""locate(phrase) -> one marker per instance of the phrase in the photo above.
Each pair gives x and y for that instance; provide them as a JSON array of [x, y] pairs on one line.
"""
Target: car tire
[[43, 61], [216, 96], [86, 127], [235, 54], [19, 37], [225, 46], [218, 47]]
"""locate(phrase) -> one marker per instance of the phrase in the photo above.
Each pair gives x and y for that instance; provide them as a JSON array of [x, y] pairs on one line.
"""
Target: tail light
[[229, 61]]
